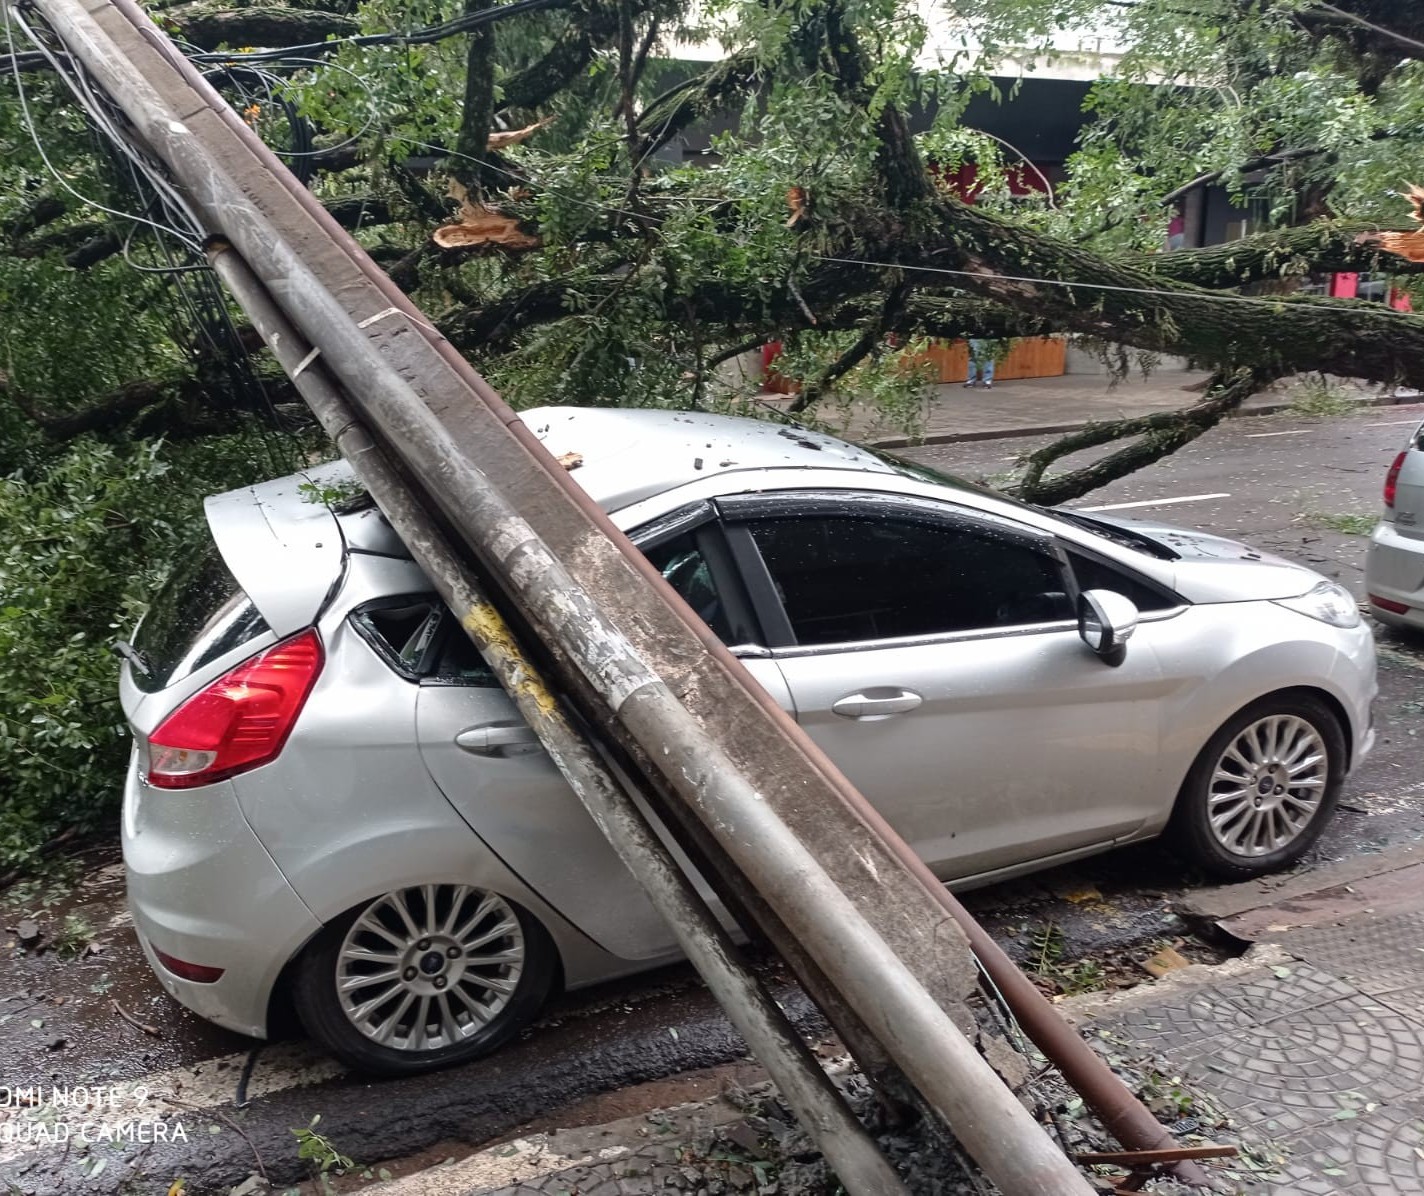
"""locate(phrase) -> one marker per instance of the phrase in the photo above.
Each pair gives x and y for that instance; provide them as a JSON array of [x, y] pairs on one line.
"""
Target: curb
[[899, 442]]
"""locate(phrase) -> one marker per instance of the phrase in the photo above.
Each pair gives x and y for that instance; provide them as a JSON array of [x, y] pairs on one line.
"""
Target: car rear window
[[200, 614]]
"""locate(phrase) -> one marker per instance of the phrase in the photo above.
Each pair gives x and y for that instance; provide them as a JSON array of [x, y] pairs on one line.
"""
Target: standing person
[[981, 361], [1177, 228]]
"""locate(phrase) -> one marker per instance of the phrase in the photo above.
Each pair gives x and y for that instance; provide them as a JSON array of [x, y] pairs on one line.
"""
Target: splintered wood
[[1410, 245], [481, 227]]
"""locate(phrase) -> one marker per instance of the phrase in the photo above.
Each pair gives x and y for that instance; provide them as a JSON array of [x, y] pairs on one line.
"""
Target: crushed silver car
[[330, 799]]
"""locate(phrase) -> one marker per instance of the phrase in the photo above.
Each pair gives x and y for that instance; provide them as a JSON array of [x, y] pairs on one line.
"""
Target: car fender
[[1196, 713], [438, 848]]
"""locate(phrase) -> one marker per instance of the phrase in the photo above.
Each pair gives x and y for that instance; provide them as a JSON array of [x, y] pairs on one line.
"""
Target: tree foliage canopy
[[523, 179]]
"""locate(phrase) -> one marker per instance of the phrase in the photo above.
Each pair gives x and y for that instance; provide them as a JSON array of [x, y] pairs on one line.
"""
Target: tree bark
[[1115, 299], [568, 57], [477, 115], [667, 115], [43, 209], [103, 414], [1323, 246], [209, 26]]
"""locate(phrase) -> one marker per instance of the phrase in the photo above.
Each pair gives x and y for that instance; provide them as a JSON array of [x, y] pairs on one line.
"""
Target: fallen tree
[[524, 186]]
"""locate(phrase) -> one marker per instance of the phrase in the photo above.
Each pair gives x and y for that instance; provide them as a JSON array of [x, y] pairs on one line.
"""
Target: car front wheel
[[422, 978], [1263, 788]]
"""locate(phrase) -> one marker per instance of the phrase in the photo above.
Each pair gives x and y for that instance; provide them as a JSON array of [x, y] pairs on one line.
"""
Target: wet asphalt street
[[69, 1016]]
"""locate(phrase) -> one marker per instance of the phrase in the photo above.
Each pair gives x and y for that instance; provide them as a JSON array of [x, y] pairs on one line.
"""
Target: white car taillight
[[238, 722]]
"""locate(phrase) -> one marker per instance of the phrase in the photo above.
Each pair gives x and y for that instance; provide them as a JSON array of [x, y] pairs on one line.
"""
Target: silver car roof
[[623, 456], [285, 546]]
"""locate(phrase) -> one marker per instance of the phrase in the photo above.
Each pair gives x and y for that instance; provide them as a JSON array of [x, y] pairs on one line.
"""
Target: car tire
[[1263, 789], [423, 978]]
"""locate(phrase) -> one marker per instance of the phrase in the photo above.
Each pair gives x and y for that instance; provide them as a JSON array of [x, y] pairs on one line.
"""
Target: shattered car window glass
[[684, 567]]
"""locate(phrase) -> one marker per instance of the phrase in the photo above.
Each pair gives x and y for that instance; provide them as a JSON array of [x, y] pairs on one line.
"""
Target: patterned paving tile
[[1380, 1153], [1406, 1000], [1375, 954], [1187, 1025], [1300, 1070]]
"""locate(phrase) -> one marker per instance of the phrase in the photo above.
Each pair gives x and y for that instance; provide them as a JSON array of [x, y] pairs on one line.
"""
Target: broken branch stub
[[1410, 245], [499, 140], [481, 227]]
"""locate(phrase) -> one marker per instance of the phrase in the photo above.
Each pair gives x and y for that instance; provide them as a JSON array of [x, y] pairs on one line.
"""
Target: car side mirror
[[1106, 621]]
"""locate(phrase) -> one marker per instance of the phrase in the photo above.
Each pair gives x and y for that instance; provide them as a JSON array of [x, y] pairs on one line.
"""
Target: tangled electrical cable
[[202, 321]]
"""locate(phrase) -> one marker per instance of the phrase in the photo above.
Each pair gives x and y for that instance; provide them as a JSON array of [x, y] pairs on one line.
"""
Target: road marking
[[1262, 435], [1154, 502], [1393, 423]]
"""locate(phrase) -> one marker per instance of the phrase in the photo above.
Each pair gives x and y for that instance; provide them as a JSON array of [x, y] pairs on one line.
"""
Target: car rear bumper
[[203, 890], [1394, 571]]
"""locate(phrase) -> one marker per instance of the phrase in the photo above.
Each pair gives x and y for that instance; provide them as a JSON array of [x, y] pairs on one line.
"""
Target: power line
[[194, 243], [985, 276]]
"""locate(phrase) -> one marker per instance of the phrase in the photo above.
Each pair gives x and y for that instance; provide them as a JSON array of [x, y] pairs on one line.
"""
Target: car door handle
[[881, 701], [496, 739]]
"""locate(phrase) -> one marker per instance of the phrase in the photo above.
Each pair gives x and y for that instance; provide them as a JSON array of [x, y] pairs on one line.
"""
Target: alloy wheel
[[1267, 786], [425, 968]]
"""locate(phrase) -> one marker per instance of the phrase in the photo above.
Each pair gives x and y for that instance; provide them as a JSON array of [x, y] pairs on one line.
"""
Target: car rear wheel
[[1263, 788], [422, 978]]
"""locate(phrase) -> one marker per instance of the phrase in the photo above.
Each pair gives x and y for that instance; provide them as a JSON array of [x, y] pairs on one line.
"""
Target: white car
[[330, 799], [1394, 566]]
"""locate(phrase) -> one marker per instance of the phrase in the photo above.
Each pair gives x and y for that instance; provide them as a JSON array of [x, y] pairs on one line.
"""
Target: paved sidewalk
[[1307, 1053], [1046, 406], [1312, 1045]]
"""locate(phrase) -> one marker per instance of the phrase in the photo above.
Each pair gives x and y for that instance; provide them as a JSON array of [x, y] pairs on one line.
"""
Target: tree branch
[[1160, 435], [105, 413], [666, 116], [1325, 246], [359, 211], [567, 58], [477, 115], [867, 343], [209, 26], [43, 209], [1113, 299]]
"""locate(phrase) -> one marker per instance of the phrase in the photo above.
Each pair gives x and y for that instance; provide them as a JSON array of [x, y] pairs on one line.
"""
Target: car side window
[[685, 568], [1093, 574], [861, 577], [401, 630], [458, 661], [418, 638]]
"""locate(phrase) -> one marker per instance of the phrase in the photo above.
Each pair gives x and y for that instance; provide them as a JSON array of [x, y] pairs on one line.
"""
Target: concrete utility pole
[[842, 1139], [620, 640]]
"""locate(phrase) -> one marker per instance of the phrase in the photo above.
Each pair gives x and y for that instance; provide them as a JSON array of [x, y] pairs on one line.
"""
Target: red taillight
[[1398, 608], [1391, 479], [239, 721], [188, 971]]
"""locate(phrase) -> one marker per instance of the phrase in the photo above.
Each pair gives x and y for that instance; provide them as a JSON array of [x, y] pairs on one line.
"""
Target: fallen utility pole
[[854, 1157], [803, 837]]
